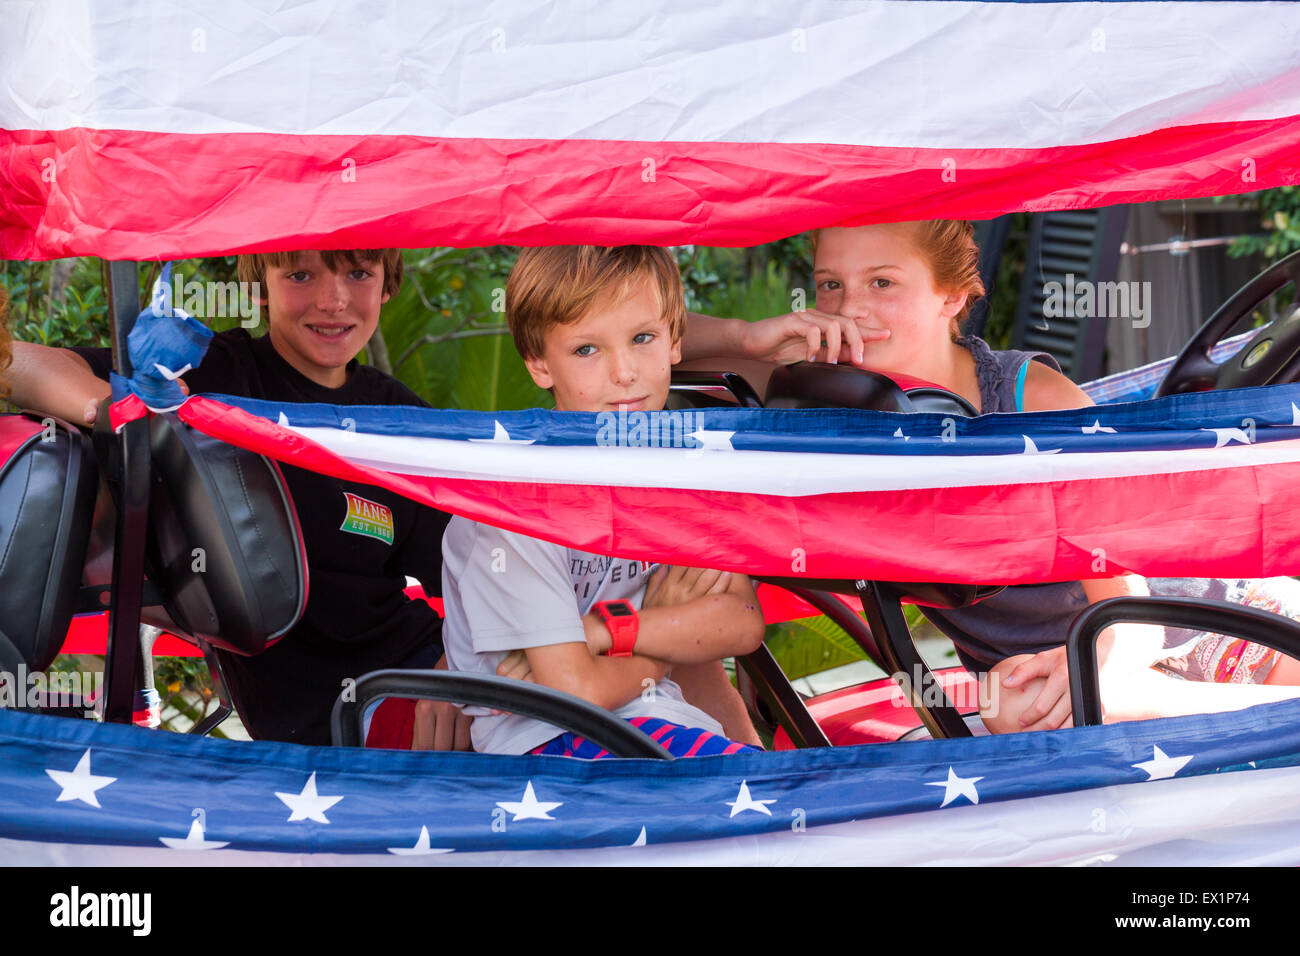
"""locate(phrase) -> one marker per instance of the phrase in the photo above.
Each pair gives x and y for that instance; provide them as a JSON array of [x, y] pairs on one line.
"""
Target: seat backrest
[[225, 548], [822, 385], [48, 481]]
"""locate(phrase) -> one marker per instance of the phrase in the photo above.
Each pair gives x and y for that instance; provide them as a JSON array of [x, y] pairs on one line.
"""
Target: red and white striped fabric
[[190, 129], [1054, 496]]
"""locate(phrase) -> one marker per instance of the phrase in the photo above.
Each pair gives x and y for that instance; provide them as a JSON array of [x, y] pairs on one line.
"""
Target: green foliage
[[816, 644], [76, 313], [446, 332], [1279, 212]]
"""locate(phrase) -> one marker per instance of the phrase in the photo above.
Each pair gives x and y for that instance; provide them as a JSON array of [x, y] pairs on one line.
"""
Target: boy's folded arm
[[706, 628], [55, 381], [608, 682]]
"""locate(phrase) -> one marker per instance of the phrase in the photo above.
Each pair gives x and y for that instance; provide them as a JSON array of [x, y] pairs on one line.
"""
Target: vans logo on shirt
[[368, 518]]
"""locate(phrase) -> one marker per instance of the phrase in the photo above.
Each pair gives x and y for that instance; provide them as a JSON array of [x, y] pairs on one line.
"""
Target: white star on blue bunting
[[1160, 766], [308, 805], [956, 786], [529, 808], [79, 783]]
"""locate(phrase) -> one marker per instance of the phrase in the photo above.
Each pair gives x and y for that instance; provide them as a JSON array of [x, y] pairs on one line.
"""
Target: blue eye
[[641, 338], [582, 350]]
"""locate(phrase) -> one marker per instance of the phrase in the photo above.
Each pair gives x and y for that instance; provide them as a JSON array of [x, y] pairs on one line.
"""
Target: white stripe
[[787, 474], [1249, 818], [873, 72]]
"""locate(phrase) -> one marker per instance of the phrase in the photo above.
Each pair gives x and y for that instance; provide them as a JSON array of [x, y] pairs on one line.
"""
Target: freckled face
[[877, 273], [617, 354]]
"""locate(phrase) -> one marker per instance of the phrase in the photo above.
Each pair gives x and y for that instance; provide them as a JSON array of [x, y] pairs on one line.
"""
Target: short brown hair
[[558, 285], [949, 247], [252, 267]]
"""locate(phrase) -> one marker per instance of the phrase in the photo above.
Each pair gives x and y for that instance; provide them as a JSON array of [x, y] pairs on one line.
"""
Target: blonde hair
[[949, 248], [252, 267], [558, 285]]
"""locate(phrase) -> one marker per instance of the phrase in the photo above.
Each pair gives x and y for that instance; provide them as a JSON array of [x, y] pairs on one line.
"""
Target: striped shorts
[[677, 740]]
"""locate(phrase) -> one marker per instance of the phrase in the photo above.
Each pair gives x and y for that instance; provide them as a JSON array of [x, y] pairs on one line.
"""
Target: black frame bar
[[1202, 614], [124, 662], [883, 607], [501, 693]]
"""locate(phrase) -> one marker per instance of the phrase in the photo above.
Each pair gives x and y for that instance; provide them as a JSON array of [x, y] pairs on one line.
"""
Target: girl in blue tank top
[[916, 281]]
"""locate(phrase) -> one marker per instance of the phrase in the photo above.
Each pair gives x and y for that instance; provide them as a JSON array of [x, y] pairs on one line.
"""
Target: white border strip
[[883, 73], [787, 474]]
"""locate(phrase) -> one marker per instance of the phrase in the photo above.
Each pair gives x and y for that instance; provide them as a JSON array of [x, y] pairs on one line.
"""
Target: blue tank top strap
[[1020, 387]]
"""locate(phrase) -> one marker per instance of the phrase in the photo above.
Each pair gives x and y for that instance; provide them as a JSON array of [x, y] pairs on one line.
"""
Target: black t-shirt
[[357, 618]]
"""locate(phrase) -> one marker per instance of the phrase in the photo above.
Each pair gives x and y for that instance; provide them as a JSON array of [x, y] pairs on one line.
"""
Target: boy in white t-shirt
[[601, 328]]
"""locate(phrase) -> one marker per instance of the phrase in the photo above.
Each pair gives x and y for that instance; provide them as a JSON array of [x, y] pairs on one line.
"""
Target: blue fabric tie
[[164, 343]]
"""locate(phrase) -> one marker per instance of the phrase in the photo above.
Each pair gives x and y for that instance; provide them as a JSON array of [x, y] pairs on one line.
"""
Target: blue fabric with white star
[[129, 786]]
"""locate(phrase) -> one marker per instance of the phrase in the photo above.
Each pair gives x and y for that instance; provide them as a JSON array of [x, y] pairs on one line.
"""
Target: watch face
[[619, 609]]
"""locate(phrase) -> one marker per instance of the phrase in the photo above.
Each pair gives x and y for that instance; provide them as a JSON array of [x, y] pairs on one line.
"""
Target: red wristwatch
[[622, 621]]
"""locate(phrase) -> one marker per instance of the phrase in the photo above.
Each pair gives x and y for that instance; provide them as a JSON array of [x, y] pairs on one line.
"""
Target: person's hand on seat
[[810, 336]]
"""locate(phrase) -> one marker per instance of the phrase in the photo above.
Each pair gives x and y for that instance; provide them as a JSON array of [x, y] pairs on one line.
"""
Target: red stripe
[[699, 742], [16, 431], [732, 748], [125, 410], [665, 729], [129, 194], [981, 534]]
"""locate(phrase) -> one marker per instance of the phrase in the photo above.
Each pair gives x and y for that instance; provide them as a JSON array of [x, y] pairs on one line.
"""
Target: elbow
[[585, 685], [749, 629]]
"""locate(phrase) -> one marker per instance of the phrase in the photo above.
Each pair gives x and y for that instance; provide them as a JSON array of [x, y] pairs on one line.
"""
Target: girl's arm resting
[[608, 682], [707, 335], [793, 337], [54, 381]]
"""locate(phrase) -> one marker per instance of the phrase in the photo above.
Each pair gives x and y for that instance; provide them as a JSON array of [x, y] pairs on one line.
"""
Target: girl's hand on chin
[[810, 336]]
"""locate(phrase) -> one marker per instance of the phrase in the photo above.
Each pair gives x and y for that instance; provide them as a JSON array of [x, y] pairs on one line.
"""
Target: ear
[[675, 355], [953, 302], [537, 369]]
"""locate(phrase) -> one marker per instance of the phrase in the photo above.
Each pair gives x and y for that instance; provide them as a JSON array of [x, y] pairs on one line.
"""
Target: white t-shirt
[[503, 591]]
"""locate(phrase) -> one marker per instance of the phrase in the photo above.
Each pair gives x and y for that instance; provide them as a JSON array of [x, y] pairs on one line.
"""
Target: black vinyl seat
[[225, 562], [48, 483]]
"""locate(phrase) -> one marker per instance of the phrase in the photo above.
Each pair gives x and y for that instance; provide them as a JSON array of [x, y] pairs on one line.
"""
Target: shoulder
[[228, 352], [1047, 389], [488, 543]]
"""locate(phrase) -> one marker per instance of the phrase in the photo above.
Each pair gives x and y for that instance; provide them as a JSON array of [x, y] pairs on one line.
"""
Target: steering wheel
[[1272, 356]]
